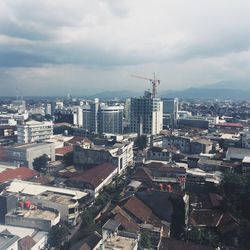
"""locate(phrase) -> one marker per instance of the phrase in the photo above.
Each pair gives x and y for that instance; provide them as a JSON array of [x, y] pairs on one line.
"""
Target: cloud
[[189, 38]]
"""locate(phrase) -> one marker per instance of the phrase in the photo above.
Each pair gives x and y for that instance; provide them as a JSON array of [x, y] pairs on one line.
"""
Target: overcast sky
[[81, 47]]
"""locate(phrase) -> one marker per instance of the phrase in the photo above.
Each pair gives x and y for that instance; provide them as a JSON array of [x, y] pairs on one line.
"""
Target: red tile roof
[[230, 124], [205, 217], [138, 209], [95, 175], [126, 221], [64, 150], [22, 173]]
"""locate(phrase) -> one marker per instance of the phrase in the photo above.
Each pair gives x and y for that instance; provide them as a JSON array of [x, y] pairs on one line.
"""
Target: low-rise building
[[33, 131], [8, 241], [115, 239], [181, 142], [42, 219], [65, 200], [94, 178], [119, 154], [24, 154], [237, 153], [29, 238]]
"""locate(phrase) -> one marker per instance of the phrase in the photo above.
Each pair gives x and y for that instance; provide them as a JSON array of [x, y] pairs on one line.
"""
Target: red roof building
[[22, 173], [64, 150]]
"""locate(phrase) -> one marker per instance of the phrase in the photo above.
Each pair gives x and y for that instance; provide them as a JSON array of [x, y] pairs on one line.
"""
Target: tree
[[87, 219], [145, 241], [177, 226], [235, 189], [40, 164], [58, 235], [68, 158]]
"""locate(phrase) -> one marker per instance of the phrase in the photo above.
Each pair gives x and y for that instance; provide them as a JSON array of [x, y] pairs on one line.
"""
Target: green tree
[[87, 219], [236, 192], [40, 164], [57, 236], [145, 241], [68, 158]]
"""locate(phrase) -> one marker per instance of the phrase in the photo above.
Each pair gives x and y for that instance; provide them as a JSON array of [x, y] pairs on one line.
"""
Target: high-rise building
[[48, 109], [146, 115], [33, 131], [170, 111], [110, 119], [101, 118], [78, 117]]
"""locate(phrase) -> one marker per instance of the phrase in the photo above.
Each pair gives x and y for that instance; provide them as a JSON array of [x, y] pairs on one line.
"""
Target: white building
[[110, 119], [146, 115], [33, 131], [64, 200], [100, 118]]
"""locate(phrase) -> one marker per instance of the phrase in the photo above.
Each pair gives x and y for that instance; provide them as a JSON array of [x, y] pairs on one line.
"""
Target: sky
[[83, 47]]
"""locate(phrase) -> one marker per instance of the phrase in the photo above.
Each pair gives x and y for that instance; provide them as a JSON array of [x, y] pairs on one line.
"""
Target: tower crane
[[153, 81]]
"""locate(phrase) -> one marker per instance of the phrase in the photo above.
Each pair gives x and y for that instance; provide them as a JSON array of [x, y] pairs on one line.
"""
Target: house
[[24, 154], [67, 201], [21, 173], [237, 153], [119, 154], [94, 178]]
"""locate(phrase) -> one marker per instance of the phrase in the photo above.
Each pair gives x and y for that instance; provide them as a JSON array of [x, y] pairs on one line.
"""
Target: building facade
[[146, 115], [34, 131]]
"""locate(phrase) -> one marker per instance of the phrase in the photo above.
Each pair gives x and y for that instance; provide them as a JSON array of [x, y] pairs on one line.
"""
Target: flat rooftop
[[34, 214], [58, 198], [35, 189], [30, 145], [7, 240], [119, 242]]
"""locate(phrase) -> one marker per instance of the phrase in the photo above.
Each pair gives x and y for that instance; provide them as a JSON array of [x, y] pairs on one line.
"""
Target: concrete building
[[94, 178], [33, 131], [119, 154], [42, 219], [8, 241], [237, 153], [170, 109], [64, 200], [146, 115], [116, 239], [78, 117], [111, 118], [101, 118], [181, 142], [24, 154], [37, 238], [7, 204]]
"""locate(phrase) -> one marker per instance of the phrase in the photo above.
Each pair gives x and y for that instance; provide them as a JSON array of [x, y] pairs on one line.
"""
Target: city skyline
[[59, 47]]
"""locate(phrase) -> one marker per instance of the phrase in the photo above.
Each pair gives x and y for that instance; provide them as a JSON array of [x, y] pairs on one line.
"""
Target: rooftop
[[119, 242], [7, 240], [22, 173], [30, 145], [57, 198], [31, 188], [95, 175], [34, 214]]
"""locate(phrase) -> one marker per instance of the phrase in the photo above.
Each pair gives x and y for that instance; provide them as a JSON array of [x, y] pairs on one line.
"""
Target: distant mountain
[[119, 94], [208, 93], [230, 89], [230, 84]]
